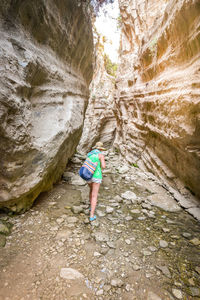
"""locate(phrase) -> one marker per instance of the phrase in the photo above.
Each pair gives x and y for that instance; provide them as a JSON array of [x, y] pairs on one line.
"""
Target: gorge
[[57, 99], [151, 114]]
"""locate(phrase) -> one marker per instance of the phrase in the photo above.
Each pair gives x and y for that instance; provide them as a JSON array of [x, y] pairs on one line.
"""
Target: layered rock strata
[[157, 101], [100, 121], [46, 66]]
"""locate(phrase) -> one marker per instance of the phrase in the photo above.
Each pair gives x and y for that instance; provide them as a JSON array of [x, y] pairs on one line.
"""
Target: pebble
[[59, 220], [176, 237], [191, 281], [95, 223], [104, 250], [195, 292], [128, 287], [177, 293], [195, 242], [163, 244], [54, 228], [129, 195], [142, 218], [152, 248], [118, 198], [109, 209], [135, 211], [111, 245], [129, 218], [99, 293], [152, 296], [146, 205], [127, 241], [146, 252], [186, 235], [72, 219], [197, 269], [97, 254], [166, 229], [136, 267], [101, 237], [71, 274], [4, 229], [100, 213], [116, 282], [123, 169], [107, 287], [164, 270], [77, 209]]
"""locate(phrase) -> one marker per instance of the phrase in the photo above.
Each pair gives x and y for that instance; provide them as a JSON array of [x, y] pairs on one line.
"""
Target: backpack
[[88, 168]]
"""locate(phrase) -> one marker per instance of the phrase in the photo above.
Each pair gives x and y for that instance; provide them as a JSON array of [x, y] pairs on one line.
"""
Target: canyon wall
[[46, 58], [158, 87], [100, 122]]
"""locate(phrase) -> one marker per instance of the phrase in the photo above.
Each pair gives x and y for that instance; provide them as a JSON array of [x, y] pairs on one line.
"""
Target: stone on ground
[[123, 169], [164, 202], [77, 209], [101, 237], [165, 271], [195, 212], [4, 229], [177, 293], [152, 296], [163, 244], [116, 282], [129, 195], [71, 274]]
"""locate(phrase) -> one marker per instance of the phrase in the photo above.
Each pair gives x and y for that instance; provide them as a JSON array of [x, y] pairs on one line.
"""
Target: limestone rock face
[[157, 100], [46, 57], [100, 121]]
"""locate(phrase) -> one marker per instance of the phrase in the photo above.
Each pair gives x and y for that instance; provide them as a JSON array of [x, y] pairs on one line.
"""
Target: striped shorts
[[96, 180]]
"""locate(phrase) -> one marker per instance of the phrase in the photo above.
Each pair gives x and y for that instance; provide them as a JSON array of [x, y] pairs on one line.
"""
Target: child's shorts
[[96, 180]]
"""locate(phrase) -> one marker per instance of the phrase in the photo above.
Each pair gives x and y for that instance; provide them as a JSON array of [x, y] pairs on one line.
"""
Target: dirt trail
[[134, 250]]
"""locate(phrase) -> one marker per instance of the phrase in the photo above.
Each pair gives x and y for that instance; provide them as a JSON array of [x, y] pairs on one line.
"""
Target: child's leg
[[94, 195]]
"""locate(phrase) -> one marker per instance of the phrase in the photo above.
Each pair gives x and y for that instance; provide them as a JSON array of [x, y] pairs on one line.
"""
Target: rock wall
[[100, 121], [46, 58], [157, 100]]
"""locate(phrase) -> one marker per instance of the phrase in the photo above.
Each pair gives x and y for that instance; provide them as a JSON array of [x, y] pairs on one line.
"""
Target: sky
[[106, 25]]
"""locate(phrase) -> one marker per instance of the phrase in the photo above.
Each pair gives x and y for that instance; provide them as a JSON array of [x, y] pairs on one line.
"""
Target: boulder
[[46, 67]]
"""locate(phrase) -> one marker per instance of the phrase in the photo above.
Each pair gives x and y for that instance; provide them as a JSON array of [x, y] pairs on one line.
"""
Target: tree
[[111, 68]]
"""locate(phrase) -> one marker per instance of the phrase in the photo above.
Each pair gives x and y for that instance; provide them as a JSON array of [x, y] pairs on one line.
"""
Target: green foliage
[[111, 68], [135, 165], [153, 46], [119, 22]]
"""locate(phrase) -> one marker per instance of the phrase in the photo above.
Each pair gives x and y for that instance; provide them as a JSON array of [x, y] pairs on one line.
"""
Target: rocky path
[[143, 245]]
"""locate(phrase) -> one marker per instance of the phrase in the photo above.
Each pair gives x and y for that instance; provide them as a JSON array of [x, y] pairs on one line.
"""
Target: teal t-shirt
[[94, 157]]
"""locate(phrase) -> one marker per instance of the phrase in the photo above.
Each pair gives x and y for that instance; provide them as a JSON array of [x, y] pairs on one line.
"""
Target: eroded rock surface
[[158, 108], [46, 66], [100, 122]]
